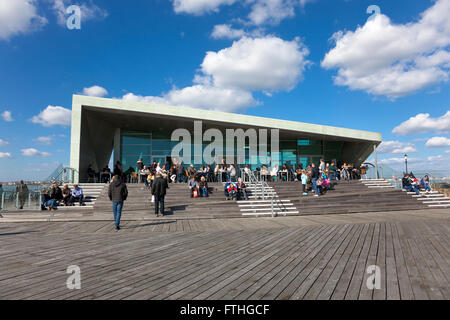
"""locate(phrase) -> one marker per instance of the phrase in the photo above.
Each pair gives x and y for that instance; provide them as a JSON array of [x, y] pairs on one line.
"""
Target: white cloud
[[7, 116], [201, 96], [438, 142], [394, 60], [261, 11], [424, 123], [227, 78], [447, 151], [31, 152], [44, 140], [53, 115], [435, 158], [199, 7], [89, 11], [401, 160], [95, 91], [3, 143], [272, 11], [5, 155], [396, 147], [19, 16], [268, 63], [225, 31]]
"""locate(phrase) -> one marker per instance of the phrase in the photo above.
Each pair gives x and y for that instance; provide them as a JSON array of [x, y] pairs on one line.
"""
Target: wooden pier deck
[[309, 257]]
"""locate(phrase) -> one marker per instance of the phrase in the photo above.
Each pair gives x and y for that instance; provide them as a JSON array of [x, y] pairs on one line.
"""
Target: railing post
[[29, 200], [17, 200], [3, 201], [271, 203]]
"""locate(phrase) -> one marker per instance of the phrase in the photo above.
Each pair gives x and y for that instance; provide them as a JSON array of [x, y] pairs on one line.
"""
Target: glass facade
[[157, 146]]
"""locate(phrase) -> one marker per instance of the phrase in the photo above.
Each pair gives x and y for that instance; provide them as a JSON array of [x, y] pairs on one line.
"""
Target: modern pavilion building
[[130, 130]]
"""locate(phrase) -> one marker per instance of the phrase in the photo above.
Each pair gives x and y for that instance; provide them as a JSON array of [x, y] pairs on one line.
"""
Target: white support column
[[376, 162]]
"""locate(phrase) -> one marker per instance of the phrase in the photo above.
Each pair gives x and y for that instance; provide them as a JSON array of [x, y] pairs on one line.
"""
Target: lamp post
[[406, 162]]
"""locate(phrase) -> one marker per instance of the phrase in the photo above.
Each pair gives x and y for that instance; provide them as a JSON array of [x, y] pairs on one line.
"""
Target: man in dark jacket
[[315, 175], [159, 191], [117, 193]]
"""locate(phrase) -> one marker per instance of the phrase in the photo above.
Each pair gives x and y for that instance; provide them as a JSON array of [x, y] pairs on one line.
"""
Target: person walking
[[159, 192], [117, 193], [22, 193]]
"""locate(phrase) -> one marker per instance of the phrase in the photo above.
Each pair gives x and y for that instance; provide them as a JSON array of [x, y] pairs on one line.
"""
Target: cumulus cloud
[[393, 60], [31, 152], [199, 7], [3, 143], [44, 140], [53, 115], [201, 96], [261, 11], [272, 11], [393, 161], [424, 123], [95, 91], [5, 155], [89, 11], [438, 142], [267, 63], [225, 31], [18, 17], [6, 115], [396, 147], [228, 77]]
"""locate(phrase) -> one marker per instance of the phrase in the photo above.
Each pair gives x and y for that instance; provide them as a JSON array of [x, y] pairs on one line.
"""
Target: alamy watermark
[[374, 10], [74, 280], [74, 20], [235, 143], [374, 280]]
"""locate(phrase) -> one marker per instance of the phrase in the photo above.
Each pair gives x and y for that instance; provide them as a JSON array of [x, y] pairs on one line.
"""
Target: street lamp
[[406, 162]]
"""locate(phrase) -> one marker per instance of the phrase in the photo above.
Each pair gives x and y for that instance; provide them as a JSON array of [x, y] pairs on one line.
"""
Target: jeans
[[180, 177], [117, 210], [427, 187], [314, 185], [80, 199], [52, 203], [243, 193], [204, 192], [159, 204], [411, 189]]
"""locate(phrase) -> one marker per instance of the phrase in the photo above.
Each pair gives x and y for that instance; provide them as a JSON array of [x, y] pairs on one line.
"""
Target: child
[[203, 187], [304, 182]]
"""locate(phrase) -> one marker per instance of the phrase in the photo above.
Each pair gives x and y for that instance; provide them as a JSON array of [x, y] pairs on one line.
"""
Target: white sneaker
[[316, 195]]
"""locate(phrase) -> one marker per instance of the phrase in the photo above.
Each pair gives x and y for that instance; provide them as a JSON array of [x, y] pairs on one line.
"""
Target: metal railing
[[62, 175], [12, 200], [264, 186]]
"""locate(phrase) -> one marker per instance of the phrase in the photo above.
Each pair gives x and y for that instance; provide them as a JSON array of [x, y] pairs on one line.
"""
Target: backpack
[[195, 193]]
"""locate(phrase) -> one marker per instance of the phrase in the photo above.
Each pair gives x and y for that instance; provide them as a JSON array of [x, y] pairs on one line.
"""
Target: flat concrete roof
[[225, 117]]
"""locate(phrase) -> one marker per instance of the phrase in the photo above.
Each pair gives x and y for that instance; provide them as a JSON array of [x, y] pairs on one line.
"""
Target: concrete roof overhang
[[142, 116]]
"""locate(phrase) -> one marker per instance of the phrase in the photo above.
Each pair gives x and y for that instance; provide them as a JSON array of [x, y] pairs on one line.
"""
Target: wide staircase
[[91, 192], [280, 198], [431, 199]]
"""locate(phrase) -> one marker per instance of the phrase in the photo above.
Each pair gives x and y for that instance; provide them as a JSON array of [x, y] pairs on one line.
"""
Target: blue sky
[[317, 61]]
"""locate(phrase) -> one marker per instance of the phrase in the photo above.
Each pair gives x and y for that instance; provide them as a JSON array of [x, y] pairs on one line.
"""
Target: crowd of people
[[411, 184], [54, 196]]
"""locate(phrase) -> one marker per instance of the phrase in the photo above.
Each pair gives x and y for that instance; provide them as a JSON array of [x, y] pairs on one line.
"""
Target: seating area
[[347, 197]]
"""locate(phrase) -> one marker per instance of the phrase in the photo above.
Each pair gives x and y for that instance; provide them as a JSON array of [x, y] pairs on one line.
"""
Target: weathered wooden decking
[[313, 257]]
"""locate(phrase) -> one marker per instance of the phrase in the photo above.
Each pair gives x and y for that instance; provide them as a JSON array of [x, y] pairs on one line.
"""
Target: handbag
[[195, 193], [153, 199]]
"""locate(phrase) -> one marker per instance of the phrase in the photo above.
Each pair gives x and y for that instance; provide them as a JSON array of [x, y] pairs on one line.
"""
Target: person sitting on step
[[425, 184], [242, 189], [406, 184], [230, 191], [77, 195], [193, 186], [203, 187]]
